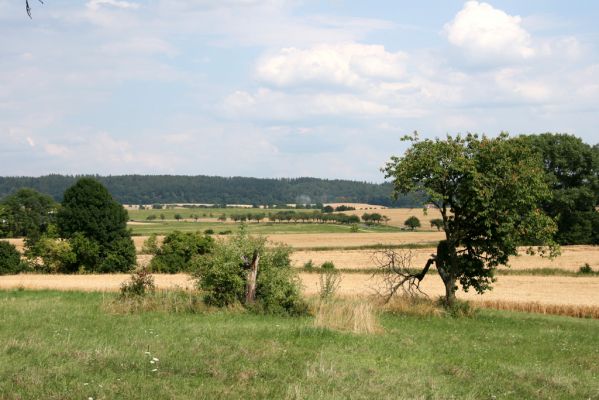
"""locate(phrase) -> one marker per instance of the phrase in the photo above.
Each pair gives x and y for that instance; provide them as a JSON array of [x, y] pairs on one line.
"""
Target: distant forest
[[150, 189]]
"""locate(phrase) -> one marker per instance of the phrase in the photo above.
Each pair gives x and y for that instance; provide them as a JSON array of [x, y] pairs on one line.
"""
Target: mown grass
[[165, 227], [65, 345]]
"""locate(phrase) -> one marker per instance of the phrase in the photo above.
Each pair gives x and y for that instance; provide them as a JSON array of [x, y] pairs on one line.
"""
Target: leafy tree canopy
[[27, 213], [572, 172], [96, 226], [488, 191]]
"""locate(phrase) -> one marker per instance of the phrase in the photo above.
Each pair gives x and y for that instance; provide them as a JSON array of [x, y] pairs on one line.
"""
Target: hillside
[[147, 189]]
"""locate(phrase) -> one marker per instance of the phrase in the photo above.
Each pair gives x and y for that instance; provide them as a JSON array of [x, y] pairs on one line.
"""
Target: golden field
[[571, 258], [526, 289]]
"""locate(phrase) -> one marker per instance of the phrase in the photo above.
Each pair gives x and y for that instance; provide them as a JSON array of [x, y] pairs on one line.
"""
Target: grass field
[[65, 345], [202, 213]]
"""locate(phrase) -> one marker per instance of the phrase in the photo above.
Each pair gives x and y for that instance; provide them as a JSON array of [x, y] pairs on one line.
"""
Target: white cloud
[[484, 31], [349, 64], [97, 4]]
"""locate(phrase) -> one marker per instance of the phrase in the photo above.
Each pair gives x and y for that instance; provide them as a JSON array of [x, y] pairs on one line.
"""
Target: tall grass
[[578, 311], [357, 315]]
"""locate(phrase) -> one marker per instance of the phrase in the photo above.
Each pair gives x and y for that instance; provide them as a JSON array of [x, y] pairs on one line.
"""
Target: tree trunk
[[250, 285], [445, 267]]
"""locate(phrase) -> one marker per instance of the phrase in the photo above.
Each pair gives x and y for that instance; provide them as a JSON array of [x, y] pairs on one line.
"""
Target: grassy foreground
[[64, 345]]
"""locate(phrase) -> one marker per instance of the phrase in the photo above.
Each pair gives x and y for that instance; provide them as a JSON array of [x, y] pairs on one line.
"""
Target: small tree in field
[[489, 192], [412, 223], [437, 223]]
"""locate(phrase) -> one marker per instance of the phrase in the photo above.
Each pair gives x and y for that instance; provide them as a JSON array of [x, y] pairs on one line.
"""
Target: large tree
[[488, 191], [26, 213], [572, 172], [96, 226]]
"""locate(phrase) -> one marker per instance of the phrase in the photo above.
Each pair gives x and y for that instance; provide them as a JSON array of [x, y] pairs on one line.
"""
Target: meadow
[[69, 345]]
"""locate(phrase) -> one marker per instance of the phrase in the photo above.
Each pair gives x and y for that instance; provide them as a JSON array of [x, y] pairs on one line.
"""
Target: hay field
[[541, 289], [399, 215], [571, 259], [354, 239]]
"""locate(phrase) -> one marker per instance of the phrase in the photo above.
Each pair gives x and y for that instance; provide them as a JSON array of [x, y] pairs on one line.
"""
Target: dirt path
[[542, 289]]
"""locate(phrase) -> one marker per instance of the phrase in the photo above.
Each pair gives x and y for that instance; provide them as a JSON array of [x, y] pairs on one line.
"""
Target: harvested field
[[539, 289], [308, 240], [571, 259], [399, 215]]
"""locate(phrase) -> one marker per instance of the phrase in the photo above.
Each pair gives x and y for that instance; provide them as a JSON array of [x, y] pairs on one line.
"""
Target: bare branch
[[397, 273]]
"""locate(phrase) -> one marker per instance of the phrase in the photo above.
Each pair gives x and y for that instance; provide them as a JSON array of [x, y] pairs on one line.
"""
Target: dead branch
[[397, 273]]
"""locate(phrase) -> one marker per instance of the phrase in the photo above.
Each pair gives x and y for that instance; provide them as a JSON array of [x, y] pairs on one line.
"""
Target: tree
[[489, 192], [437, 223], [96, 226], [27, 213], [10, 259], [412, 222], [572, 173], [178, 250]]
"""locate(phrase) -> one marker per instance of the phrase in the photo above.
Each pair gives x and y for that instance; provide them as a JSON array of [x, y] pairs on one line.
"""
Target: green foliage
[[309, 266], [373, 218], [10, 259], [222, 277], [26, 213], [437, 223], [412, 222], [56, 255], [354, 228], [489, 192], [140, 284], [150, 245], [328, 281], [96, 227], [178, 250], [585, 269], [572, 172]]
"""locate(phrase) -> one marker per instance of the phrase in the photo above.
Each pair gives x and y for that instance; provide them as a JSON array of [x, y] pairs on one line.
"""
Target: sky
[[275, 88]]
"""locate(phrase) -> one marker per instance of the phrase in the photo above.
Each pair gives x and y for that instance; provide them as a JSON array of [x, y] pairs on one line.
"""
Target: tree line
[[161, 189]]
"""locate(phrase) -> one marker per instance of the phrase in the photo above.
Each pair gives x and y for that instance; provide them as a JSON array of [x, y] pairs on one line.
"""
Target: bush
[[178, 250], [412, 222], [140, 283], [329, 281], [227, 232], [10, 259], [585, 269], [309, 266], [222, 277], [354, 228], [56, 255], [150, 245], [209, 232]]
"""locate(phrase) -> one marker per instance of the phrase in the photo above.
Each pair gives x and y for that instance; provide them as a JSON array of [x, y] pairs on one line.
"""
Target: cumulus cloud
[[348, 64], [484, 31]]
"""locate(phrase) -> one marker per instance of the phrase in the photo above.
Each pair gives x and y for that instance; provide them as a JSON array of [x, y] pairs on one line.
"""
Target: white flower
[[154, 370], [155, 359]]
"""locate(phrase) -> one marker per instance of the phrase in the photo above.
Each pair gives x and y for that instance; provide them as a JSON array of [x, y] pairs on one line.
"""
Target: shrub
[[56, 255], [354, 228], [329, 281], [177, 251], [140, 283], [226, 232], [209, 232], [150, 245], [10, 259], [222, 276], [585, 269], [309, 266]]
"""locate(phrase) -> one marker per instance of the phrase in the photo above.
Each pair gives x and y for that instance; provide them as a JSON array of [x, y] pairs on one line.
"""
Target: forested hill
[[148, 189]]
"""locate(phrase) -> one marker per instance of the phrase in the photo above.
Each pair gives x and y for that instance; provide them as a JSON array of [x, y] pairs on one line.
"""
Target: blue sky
[[282, 88]]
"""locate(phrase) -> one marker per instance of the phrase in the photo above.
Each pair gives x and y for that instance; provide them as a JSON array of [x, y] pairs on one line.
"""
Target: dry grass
[[578, 311], [170, 301], [313, 240], [417, 306], [571, 259], [399, 215], [356, 315]]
